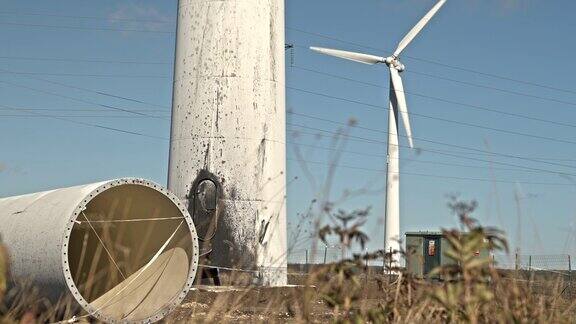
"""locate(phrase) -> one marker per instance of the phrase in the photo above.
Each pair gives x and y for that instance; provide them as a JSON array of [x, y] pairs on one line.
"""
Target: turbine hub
[[394, 62]]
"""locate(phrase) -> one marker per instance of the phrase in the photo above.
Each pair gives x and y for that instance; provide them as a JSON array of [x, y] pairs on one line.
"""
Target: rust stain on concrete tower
[[227, 149]]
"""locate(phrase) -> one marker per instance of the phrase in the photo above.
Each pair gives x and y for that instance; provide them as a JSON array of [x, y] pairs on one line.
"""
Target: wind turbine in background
[[397, 106]]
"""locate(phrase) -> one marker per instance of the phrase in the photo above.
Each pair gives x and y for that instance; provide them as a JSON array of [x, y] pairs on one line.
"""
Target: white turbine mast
[[397, 106]]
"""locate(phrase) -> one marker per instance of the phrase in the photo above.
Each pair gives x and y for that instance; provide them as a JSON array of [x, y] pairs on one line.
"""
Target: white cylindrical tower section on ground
[[228, 127], [123, 250]]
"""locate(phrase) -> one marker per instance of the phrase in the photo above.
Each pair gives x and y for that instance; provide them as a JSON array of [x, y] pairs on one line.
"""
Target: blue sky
[[528, 41]]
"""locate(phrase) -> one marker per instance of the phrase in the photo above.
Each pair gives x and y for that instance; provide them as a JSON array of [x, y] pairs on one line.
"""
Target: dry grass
[[472, 291]]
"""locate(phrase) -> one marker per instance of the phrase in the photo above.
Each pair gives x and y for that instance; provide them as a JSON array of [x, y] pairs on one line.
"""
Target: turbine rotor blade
[[419, 26], [352, 56], [398, 89]]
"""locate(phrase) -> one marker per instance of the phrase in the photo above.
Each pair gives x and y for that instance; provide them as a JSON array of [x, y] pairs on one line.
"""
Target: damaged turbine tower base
[[227, 145]]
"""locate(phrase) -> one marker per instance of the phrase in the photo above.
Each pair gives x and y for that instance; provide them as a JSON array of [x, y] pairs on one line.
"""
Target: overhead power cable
[[482, 86], [86, 60], [344, 78], [93, 75], [84, 110], [316, 34], [164, 32], [457, 156], [90, 124], [382, 107], [477, 107], [102, 93], [75, 116], [473, 149], [516, 168], [404, 173], [32, 113], [521, 168], [436, 175], [160, 76], [456, 103], [506, 131], [110, 19], [459, 68], [134, 112], [451, 153], [79, 100], [399, 145]]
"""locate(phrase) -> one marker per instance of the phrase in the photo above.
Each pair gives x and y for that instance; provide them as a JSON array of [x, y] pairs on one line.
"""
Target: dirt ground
[[207, 304]]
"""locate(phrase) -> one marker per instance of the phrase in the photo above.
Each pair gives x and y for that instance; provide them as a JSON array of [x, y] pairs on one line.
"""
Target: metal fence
[[319, 256], [561, 263], [327, 255], [536, 262], [548, 274]]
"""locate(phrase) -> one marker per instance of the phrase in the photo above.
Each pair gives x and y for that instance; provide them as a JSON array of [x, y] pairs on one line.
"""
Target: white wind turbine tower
[[397, 105]]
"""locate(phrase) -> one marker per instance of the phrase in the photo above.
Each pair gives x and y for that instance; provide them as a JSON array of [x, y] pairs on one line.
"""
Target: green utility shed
[[426, 251]]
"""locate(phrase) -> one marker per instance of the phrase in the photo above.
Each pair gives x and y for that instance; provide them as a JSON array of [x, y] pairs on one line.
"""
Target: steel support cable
[[143, 269], [138, 273], [104, 246], [133, 220]]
